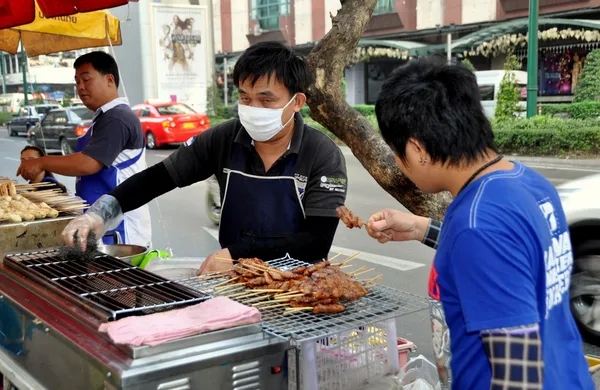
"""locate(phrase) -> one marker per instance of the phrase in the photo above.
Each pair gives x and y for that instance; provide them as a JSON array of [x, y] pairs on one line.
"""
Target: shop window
[[384, 7], [267, 12], [486, 92]]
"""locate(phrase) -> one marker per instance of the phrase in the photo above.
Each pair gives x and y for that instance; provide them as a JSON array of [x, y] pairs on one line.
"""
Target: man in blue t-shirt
[[499, 284]]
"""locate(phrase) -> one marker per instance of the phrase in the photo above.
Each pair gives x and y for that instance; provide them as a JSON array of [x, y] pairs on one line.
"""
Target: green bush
[[545, 136], [5, 117], [508, 95], [583, 110], [588, 88]]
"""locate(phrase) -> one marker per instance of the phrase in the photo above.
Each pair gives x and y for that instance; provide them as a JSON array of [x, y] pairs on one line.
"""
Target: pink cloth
[[158, 328]]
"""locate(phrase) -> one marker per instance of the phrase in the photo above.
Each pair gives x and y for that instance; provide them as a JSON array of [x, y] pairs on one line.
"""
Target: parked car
[[489, 88], [580, 202], [169, 122], [43, 109], [60, 129], [26, 118]]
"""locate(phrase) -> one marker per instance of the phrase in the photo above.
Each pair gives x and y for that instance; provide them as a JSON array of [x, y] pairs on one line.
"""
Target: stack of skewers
[[320, 288], [28, 202]]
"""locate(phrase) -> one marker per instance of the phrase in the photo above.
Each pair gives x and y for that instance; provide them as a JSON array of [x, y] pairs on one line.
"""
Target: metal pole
[[449, 48], [3, 74], [225, 83], [532, 59], [24, 68]]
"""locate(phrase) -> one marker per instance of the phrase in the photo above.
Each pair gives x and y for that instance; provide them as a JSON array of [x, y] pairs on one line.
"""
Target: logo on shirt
[[301, 181], [333, 184], [558, 259], [189, 141], [548, 211]]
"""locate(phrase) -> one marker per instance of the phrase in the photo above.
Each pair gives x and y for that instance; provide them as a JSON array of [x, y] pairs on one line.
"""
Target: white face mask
[[261, 123]]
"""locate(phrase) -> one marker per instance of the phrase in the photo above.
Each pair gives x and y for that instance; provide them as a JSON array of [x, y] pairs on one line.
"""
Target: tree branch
[[328, 107]]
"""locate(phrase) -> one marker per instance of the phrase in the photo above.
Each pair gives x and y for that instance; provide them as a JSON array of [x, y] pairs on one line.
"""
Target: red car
[[169, 122]]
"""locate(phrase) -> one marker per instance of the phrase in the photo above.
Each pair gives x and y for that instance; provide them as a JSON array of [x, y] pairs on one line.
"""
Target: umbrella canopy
[[18, 12], [52, 35]]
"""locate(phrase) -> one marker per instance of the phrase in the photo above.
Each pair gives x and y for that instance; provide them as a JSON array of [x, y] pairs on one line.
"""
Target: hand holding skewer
[[393, 225]]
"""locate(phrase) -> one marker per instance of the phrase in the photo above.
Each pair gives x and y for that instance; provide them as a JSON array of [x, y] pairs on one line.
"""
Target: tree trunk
[[328, 107]]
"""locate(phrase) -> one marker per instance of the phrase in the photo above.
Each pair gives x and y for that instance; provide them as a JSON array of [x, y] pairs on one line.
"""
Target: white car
[[582, 208]]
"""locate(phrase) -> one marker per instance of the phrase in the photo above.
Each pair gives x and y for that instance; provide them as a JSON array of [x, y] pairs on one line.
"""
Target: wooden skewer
[[228, 289], [288, 293], [226, 282], [297, 309], [378, 277], [225, 259], [267, 296], [251, 270], [334, 257], [370, 285], [357, 270], [268, 290], [286, 299], [364, 272], [274, 306], [264, 269], [349, 259], [230, 286], [244, 294], [346, 266]]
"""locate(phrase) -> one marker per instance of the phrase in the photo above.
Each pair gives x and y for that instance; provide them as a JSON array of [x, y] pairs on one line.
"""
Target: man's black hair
[[272, 58], [103, 62], [440, 106]]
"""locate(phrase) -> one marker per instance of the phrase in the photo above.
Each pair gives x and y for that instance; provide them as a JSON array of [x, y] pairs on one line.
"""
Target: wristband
[[432, 235]]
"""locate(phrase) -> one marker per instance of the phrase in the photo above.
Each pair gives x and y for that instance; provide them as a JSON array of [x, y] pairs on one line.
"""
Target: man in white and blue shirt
[[111, 150]]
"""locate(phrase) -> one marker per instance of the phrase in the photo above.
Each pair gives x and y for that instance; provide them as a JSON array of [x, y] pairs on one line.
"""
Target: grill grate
[[382, 303], [110, 287]]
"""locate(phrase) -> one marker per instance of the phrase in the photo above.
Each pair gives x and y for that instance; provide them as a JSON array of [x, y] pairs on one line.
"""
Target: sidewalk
[[591, 165]]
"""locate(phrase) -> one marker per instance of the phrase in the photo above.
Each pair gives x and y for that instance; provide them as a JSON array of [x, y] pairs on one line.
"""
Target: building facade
[[482, 30]]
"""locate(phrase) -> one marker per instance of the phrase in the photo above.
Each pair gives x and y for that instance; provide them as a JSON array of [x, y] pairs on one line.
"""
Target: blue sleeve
[[495, 280]]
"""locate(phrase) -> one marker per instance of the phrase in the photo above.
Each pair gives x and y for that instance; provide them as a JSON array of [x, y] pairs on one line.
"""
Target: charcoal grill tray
[[107, 287]]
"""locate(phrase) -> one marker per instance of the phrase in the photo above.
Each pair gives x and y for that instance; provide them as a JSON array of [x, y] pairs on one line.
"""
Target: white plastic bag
[[419, 369], [419, 384]]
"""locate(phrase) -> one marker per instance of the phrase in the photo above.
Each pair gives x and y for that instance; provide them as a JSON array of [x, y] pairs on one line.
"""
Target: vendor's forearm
[[311, 244], [77, 164], [141, 188]]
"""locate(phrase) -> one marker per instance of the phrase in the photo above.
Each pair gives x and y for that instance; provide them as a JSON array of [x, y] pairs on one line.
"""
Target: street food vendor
[[280, 179], [109, 152], [499, 283]]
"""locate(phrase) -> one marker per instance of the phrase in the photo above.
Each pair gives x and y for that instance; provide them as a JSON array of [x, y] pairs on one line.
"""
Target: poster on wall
[[180, 44]]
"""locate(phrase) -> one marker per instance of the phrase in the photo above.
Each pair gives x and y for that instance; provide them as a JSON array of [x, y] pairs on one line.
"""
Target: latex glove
[[104, 215], [213, 264], [394, 225]]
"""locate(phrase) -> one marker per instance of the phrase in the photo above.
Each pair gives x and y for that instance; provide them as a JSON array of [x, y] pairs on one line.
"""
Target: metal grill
[[382, 303], [109, 288]]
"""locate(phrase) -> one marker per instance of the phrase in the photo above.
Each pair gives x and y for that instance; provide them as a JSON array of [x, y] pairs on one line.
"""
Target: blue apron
[[92, 187], [259, 208]]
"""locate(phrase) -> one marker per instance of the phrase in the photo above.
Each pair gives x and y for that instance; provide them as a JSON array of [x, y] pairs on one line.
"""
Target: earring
[[422, 161]]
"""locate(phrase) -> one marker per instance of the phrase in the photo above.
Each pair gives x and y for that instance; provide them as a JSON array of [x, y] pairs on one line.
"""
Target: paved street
[[180, 222]]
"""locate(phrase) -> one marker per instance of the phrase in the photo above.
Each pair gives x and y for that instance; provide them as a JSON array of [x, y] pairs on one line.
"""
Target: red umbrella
[[18, 12]]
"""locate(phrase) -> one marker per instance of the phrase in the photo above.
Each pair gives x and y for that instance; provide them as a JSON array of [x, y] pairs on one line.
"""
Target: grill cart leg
[[310, 381], [392, 345]]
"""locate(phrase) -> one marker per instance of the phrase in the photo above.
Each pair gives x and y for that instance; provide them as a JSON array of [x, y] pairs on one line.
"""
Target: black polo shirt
[[320, 166]]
